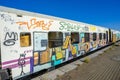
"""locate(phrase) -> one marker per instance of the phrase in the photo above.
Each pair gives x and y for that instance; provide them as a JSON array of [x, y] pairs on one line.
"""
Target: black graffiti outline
[[10, 38]]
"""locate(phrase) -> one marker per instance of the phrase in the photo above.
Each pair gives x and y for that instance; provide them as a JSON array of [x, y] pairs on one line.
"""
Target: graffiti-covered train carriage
[[31, 42]]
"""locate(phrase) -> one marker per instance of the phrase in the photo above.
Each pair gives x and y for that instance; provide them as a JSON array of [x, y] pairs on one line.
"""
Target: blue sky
[[104, 13]]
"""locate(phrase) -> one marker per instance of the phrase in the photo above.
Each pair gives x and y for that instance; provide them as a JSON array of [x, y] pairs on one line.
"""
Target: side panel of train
[[30, 44]]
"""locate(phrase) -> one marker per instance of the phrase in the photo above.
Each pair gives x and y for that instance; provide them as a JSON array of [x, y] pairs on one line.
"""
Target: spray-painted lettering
[[36, 24], [28, 51], [7, 18], [6, 29], [72, 27], [13, 51], [10, 38]]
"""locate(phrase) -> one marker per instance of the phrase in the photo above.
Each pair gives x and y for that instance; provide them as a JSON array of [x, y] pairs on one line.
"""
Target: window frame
[[94, 36], [24, 34], [55, 39], [76, 40], [87, 35], [100, 36], [104, 36]]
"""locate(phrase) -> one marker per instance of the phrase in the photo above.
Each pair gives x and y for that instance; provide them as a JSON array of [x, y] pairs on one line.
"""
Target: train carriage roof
[[27, 13]]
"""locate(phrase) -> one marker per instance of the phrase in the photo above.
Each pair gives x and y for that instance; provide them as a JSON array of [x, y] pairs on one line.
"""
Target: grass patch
[[101, 54], [106, 51], [78, 64], [58, 76], [86, 60], [110, 48], [117, 44]]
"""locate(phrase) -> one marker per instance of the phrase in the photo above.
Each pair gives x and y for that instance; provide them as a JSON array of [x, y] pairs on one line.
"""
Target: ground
[[105, 66]]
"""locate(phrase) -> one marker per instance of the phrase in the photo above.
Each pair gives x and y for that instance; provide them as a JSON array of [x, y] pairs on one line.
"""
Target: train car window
[[104, 36], [87, 37], [100, 36], [74, 37], [55, 39], [94, 36], [25, 39]]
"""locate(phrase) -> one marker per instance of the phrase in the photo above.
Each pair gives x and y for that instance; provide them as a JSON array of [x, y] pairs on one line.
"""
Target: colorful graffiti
[[58, 55], [67, 43], [83, 46], [102, 42], [55, 54], [118, 36], [92, 28], [34, 23], [42, 57], [45, 56], [72, 27], [34, 45]]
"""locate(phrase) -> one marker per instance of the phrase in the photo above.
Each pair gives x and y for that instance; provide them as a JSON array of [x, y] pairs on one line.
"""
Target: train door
[[110, 36], [40, 41], [114, 38], [107, 37]]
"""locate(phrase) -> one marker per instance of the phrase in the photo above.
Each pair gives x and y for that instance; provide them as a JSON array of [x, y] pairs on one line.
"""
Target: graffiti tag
[[21, 63], [10, 38], [7, 18], [72, 27], [13, 51], [6, 29], [28, 51], [67, 43], [36, 24]]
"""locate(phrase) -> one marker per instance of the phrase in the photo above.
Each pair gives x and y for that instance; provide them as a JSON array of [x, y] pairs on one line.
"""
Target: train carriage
[[31, 42]]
